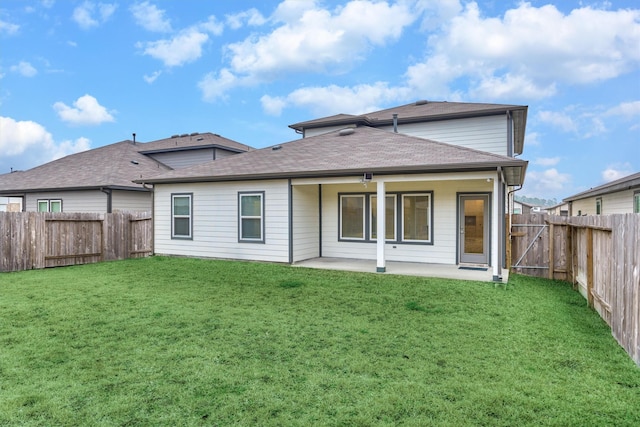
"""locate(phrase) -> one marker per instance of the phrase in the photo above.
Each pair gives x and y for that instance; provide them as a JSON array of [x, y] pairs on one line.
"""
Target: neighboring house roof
[[423, 111], [193, 141], [626, 183], [346, 152], [111, 166]]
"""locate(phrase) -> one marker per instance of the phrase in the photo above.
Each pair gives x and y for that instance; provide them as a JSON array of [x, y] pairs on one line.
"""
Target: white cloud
[[18, 136], [616, 171], [149, 17], [184, 48], [532, 139], [436, 13], [87, 111], [69, 147], [214, 87], [626, 110], [90, 14], [559, 120], [251, 17], [25, 69], [546, 184], [314, 40], [547, 161], [8, 28], [26, 144], [152, 78], [324, 100], [530, 49]]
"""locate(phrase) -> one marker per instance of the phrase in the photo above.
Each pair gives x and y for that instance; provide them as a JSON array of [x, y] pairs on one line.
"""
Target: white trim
[[381, 222]]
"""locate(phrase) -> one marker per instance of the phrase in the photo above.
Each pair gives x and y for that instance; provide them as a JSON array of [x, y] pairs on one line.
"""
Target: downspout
[[511, 194], [290, 213], [509, 134], [109, 194]]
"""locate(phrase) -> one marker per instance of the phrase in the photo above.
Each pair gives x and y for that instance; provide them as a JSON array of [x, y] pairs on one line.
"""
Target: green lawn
[[171, 341]]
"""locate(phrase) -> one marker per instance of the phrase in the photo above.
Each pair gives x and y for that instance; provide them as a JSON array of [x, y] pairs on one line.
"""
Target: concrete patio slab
[[445, 271]]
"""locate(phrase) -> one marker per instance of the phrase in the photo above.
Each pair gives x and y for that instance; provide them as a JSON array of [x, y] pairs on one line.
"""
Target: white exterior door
[[473, 221]]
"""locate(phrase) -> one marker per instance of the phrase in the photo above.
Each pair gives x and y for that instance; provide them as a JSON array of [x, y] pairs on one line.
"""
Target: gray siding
[[131, 201], [613, 203], [215, 221], [306, 222], [72, 201], [481, 133], [181, 159]]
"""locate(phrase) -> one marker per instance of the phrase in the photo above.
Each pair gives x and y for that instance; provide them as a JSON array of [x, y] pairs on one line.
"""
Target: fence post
[[590, 267], [552, 239]]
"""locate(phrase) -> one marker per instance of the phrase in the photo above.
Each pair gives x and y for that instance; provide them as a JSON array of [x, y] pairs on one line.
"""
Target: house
[[101, 180], [616, 197], [349, 180], [520, 207], [561, 209]]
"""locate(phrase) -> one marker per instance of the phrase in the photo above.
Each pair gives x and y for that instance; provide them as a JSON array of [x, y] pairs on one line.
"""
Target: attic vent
[[276, 147], [422, 102], [183, 135], [194, 134], [175, 136], [135, 162], [347, 131], [200, 139]]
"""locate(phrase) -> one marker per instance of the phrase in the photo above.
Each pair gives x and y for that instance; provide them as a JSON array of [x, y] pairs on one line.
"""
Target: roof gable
[[347, 151]]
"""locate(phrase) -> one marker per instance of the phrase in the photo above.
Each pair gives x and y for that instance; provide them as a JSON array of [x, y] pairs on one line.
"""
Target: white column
[[495, 232], [381, 221]]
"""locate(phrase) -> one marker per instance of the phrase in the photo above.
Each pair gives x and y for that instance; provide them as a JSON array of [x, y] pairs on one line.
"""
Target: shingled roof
[[424, 111], [626, 183], [349, 151], [192, 141], [114, 166]]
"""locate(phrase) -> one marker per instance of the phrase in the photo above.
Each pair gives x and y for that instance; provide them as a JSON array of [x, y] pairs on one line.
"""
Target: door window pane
[[352, 217], [474, 226], [416, 217]]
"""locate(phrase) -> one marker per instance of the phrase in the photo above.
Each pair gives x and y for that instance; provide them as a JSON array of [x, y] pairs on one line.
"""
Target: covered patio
[[446, 271]]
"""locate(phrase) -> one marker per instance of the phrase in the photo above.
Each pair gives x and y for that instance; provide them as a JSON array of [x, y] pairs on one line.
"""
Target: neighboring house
[[101, 180], [333, 192], [8, 204], [520, 207], [561, 209], [619, 196]]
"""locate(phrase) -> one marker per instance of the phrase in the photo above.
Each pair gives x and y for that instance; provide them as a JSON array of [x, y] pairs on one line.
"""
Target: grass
[[186, 342]]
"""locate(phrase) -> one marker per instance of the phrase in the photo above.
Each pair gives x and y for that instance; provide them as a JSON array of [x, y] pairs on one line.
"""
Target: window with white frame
[[251, 217], [636, 202], [416, 217], [352, 216], [181, 216], [359, 217], [49, 205], [599, 206]]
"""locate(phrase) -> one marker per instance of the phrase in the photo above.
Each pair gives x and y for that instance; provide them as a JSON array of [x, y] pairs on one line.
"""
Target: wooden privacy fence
[[31, 240], [599, 255]]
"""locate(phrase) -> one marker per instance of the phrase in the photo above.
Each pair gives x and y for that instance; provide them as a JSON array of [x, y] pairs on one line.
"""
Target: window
[[251, 217], [416, 210], [181, 224], [599, 206], [352, 219], [636, 202], [390, 218], [408, 217], [49, 205]]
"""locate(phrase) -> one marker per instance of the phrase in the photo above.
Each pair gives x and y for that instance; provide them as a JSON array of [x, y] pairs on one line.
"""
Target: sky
[[76, 75]]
